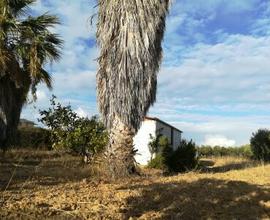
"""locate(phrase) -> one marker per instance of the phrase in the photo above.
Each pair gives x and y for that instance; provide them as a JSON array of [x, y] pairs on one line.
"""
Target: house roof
[[163, 122]]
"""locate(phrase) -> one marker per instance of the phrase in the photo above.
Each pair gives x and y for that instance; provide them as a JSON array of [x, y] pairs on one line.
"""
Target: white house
[[154, 126]]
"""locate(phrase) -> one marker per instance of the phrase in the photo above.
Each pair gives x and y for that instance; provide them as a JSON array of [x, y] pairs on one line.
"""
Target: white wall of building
[[142, 139]]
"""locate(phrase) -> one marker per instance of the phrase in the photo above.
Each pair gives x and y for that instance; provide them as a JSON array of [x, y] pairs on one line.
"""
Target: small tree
[[161, 148], [73, 133], [260, 144], [154, 144]]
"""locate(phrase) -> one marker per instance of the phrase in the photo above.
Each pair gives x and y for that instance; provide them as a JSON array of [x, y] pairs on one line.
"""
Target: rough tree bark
[[12, 99], [119, 153]]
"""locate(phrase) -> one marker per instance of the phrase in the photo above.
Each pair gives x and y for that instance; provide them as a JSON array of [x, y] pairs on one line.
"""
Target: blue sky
[[214, 83]]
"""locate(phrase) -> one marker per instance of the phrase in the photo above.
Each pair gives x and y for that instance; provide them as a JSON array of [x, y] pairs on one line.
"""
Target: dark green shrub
[[184, 158], [34, 137], [260, 144]]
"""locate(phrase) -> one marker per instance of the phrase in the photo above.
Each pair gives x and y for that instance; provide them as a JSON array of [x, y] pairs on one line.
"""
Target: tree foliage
[[27, 45], [260, 144], [71, 132], [208, 151], [154, 144]]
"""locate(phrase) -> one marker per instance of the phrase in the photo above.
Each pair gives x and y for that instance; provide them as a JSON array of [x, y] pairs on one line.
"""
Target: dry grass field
[[46, 185]]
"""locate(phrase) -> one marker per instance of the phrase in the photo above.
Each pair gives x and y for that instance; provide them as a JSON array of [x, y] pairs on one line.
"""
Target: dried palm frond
[[129, 33]]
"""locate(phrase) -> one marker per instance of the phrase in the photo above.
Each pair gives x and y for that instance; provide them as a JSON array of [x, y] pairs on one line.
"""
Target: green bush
[[184, 158], [34, 137], [260, 144], [180, 160], [157, 162], [245, 151], [72, 133]]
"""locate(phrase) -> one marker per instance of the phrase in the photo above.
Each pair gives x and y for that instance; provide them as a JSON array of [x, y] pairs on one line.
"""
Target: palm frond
[[27, 40], [129, 33], [19, 7], [44, 77], [41, 22]]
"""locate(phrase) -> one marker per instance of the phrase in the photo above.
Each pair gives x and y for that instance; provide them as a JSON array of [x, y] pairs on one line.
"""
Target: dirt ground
[[47, 185]]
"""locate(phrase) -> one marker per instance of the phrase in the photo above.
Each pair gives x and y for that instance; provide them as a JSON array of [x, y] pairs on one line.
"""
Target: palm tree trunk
[[119, 154], [12, 99]]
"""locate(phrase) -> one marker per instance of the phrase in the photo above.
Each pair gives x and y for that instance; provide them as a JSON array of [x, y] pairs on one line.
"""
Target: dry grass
[[46, 185]]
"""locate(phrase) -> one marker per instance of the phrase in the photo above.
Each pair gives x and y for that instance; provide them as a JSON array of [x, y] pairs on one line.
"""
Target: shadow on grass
[[207, 166], [204, 199]]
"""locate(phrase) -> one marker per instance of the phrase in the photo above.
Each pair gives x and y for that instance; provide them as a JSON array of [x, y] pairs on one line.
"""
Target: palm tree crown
[[26, 43]]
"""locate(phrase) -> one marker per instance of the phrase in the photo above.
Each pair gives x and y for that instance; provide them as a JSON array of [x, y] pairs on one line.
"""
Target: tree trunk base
[[119, 155]]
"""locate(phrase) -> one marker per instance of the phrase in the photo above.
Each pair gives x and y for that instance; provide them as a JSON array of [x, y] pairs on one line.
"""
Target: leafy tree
[[260, 144], [71, 132], [154, 144], [130, 55], [27, 44], [162, 151]]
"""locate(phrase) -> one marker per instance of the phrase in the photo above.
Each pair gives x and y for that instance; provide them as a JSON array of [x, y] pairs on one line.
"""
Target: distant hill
[[26, 123]]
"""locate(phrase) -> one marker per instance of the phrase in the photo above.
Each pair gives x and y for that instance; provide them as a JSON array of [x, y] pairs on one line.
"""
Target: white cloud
[[235, 70], [41, 95], [218, 140], [81, 112]]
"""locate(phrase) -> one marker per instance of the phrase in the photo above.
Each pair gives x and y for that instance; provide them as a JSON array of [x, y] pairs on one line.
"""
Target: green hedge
[[208, 151], [33, 137]]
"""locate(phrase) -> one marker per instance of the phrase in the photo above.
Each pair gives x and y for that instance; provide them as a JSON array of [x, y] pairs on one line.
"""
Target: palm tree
[[26, 46], [129, 33]]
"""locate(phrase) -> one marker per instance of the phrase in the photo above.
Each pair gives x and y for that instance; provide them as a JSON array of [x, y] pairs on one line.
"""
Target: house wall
[[176, 138], [142, 139], [167, 131]]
